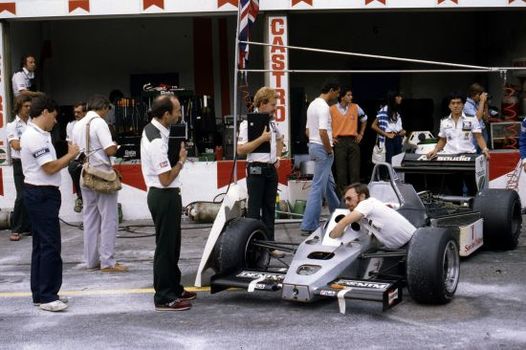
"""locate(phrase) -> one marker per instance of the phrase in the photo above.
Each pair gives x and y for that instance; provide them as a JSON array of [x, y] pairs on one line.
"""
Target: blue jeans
[[392, 147], [322, 186]]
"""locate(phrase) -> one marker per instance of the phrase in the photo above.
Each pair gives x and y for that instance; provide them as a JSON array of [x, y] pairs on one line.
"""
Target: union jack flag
[[248, 11]]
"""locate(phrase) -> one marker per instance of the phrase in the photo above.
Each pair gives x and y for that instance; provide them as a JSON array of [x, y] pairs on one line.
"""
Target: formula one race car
[[355, 266]]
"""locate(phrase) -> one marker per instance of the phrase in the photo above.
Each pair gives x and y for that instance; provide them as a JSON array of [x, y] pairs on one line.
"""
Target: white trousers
[[100, 228]]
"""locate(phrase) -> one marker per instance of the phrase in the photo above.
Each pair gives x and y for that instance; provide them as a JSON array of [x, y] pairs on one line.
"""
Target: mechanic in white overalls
[[456, 135], [388, 226]]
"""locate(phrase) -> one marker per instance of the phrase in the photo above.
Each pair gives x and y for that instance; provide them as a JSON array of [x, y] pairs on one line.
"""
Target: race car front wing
[[389, 293]]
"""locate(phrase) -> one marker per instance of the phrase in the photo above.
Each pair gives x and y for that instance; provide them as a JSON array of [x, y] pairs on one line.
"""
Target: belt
[[176, 189], [41, 186], [346, 137], [16, 160], [262, 165]]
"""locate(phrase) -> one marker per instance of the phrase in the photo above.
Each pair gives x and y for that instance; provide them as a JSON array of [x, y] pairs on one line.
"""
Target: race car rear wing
[[441, 163], [413, 163]]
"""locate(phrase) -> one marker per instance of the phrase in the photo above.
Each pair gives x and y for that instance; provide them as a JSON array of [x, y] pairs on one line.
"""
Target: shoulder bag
[[98, 180], [378, 155]]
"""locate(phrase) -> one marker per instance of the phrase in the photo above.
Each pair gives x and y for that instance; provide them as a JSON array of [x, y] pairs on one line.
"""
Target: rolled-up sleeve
[[159, 157]]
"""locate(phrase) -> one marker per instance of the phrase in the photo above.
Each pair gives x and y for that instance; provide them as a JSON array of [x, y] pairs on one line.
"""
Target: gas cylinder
[[203, 212], [5, 219]]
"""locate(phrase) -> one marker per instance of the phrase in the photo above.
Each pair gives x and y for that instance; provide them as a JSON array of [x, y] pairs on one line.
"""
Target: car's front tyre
[[433, 265], [235, 250]]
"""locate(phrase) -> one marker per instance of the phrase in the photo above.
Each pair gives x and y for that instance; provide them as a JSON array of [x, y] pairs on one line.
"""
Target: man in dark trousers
[[348, 126], [80, 109], [164, 202], [21, 223], [42, 199], [262, 175]]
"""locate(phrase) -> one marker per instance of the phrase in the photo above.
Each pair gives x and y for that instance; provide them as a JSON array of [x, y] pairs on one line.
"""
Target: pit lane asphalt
[[116, 310]]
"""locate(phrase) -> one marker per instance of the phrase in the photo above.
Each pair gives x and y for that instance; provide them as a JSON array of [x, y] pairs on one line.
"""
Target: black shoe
[[306, 233]]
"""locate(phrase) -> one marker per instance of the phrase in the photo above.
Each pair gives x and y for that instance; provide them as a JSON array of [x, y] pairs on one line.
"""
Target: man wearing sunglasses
[[390, 228]]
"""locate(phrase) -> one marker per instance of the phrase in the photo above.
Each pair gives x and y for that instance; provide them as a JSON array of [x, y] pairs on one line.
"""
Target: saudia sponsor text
[[461, 158]]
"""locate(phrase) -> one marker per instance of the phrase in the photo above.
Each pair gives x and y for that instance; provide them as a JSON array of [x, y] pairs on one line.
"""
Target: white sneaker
[[54, 306], [65, 300]]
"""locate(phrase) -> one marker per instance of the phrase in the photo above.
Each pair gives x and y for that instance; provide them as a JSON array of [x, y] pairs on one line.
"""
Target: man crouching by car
[[390, 228]]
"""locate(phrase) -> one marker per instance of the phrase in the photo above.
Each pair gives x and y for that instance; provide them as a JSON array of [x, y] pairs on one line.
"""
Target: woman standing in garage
[[388, 125]]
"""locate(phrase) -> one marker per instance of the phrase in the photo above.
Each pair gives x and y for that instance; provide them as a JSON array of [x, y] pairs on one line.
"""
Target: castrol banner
[[276, 60]]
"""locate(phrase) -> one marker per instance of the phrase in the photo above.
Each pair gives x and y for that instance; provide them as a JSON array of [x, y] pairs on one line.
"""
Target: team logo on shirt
[[163, 164], [466, 125], [41, 152]]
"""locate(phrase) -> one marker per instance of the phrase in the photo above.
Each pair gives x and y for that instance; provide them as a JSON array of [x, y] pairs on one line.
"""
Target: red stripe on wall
[[223, 68], [203, 60], [502, 163], [131, 175]]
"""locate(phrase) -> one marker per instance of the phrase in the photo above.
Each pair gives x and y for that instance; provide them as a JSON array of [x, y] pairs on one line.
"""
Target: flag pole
[[236, 93]]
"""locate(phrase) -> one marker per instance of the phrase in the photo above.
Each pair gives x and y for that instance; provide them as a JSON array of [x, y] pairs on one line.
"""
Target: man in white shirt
[[319, 131], [23, 80], [75, 167], [42, 199], [390, 228], [456, 135], [164, 202], [100, 209], [20, 220], [262, 175]]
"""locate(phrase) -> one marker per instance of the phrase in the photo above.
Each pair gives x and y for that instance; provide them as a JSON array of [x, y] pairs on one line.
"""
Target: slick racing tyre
[[433, 265], [501, 211], [234, 249]]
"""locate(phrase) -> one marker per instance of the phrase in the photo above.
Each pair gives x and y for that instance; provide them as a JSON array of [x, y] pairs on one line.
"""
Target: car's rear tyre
[[234, 249], [501, 211], [433, 265]]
